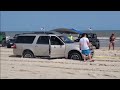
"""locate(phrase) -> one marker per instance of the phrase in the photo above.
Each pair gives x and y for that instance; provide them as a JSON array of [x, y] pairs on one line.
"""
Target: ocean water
[[12, 33], [106, 33], [102, 33], [103, 42]]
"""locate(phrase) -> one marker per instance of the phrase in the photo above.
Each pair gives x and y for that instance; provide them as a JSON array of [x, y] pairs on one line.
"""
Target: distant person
[[112, 41], [70, 37], [84, 46]]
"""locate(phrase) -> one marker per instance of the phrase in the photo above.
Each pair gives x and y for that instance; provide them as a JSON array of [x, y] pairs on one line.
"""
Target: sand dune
[[106, 66]]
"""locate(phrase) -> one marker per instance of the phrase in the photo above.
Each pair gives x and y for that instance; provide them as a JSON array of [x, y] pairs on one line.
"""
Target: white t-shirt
[[84, 43]]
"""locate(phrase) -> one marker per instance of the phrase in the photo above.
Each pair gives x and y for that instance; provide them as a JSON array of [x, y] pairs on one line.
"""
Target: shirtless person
[[112, 41]]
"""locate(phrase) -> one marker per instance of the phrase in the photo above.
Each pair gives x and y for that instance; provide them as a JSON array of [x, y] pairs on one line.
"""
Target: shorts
[[86, 52]]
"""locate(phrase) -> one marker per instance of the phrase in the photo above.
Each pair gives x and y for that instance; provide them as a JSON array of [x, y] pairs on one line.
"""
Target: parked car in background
[[16, 35], [3, 39], [10, 43], [92, 38], [46, 45]]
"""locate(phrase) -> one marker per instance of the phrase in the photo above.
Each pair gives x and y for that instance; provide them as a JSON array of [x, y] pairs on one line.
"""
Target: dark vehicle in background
[[16, 35], [2, 39], [92, 38], [10, 43]]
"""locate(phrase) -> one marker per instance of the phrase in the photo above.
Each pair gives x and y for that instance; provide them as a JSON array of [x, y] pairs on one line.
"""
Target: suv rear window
[[25, 39]]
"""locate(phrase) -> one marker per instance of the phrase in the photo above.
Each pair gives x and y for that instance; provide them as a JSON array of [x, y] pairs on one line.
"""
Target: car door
[[57, 47], [42, 46]]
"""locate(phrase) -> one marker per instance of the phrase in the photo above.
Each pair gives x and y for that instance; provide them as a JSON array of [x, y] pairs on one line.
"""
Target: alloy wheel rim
[[75, 57], [28, 55]]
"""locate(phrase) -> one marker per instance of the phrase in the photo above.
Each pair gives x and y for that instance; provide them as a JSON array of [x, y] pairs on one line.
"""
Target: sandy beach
[[106, 66]]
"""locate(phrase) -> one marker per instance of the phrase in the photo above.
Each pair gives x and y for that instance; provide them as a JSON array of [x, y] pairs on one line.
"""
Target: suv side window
[[55, 41], [25, 39], [43, 40]]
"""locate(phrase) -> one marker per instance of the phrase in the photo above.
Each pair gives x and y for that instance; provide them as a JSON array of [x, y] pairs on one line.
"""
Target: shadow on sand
[[48, 58], [15, 56]]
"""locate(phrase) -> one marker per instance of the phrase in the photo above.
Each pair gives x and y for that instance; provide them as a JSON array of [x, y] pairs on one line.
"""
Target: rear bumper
[[17, 52], [10, 44]]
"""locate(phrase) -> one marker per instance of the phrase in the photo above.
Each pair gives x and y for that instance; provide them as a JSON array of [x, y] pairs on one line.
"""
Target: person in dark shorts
[[112, 41]]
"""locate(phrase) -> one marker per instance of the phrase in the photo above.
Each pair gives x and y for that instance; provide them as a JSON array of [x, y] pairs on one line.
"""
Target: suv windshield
[[65, 39], [89, 36]]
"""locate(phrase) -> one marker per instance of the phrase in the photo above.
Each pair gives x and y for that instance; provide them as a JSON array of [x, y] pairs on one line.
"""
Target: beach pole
[[42, 29], [90, 29]]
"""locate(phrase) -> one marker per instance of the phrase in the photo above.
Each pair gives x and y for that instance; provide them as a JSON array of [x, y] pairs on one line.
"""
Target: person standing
[[70, 37], [84, 46], [112, 41]]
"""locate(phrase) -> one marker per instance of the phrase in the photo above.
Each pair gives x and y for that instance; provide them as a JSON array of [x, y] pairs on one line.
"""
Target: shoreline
[[104, 38], [117, 38]]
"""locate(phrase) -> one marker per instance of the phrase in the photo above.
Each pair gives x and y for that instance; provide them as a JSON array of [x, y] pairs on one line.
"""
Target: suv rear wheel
[[28, 54], [75, 56]]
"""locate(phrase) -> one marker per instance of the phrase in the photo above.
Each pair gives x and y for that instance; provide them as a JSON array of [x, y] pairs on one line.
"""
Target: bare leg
[[113, 44], [90, 58], [84, 57], [109, 45]]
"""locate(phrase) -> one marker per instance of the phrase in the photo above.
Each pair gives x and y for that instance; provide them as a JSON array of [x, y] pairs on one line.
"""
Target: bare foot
[[92, 60]]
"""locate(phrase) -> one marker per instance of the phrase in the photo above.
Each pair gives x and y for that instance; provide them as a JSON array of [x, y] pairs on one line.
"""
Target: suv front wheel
[[75, 56], [28, 54]]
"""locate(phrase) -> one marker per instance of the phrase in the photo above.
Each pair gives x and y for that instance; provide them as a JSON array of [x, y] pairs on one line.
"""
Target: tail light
[[14, 46]]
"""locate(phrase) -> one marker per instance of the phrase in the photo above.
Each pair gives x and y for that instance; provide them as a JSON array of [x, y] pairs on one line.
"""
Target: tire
[[28, 54], [75, 56], [8, 46], [97, 45], [3, 43]]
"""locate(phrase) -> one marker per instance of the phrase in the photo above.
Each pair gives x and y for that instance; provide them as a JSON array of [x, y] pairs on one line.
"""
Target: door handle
[[60, 46], [36, 46]]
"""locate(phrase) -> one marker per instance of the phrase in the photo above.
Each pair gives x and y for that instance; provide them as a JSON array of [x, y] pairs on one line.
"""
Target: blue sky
[[81, 20]]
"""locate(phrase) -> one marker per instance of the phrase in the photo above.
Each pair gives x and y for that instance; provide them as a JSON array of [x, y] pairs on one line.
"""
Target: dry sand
[[106, 66]]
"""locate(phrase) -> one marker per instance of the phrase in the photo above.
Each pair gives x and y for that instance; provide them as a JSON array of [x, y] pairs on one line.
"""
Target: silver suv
[[48, 45]]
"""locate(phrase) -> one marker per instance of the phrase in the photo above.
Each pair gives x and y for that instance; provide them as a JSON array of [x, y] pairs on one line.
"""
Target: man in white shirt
[[84, 46]]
